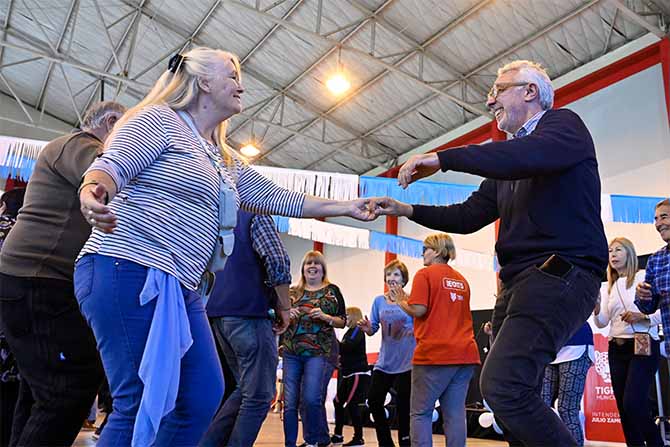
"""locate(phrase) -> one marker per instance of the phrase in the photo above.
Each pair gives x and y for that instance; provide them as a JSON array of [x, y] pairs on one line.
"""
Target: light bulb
[[250, 150], [338, 84]]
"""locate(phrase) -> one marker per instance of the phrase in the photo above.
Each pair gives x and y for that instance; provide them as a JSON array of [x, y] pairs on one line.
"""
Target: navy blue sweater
[[545, 189]]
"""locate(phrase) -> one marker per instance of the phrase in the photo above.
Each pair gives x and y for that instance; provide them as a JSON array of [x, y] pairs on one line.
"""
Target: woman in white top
[[631, 373]]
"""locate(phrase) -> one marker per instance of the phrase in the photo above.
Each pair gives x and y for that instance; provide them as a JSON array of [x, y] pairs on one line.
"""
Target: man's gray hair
[[664, 202], [536, 74], [96, 114]]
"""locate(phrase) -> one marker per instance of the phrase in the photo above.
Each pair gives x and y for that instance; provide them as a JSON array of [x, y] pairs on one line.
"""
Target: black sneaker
[[337, 439], [356, 442]]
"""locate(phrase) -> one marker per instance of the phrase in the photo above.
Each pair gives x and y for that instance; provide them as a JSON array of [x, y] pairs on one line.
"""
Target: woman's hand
[[596, 310], [397, 293], [631, 317], [294, 313], [318, 314], [92, 199]]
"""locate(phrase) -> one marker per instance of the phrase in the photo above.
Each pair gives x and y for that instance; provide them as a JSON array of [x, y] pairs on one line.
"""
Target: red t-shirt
[[444, 334]]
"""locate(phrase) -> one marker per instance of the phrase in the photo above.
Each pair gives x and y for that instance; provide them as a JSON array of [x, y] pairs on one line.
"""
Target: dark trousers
[[56, 356], [351, 393], [534, 316], [632, 376], [379, 387]]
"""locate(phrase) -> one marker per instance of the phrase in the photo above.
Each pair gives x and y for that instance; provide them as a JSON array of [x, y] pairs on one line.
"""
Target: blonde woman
[[446, 352], [153, 201], [317, 307], [631, 374]]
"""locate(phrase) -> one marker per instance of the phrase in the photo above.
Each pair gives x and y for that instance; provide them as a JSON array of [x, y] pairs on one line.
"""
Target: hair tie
[[176, 62]]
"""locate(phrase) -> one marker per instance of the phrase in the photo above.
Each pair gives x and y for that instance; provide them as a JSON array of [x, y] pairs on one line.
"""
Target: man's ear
[[531, 93]]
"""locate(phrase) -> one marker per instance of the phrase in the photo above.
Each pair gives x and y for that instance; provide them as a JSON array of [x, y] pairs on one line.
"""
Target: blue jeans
[[448, 384], [108, 292], [303, 386], [251, 353]]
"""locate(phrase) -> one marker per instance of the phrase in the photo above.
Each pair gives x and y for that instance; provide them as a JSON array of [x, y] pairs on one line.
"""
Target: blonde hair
[[442, 244], [395, 264], [180, 89], [536, 74], [313, 255], [631, 264], [355, 315]]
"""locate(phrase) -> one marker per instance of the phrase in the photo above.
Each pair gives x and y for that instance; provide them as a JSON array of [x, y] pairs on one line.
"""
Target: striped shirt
[[168, 195]]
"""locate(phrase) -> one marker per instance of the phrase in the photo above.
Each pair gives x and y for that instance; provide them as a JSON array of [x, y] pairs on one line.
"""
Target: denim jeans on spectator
[[250, 350], [323, 434], [534, 316], [56, 356], [303, 386], [108, 291], [448, 384]]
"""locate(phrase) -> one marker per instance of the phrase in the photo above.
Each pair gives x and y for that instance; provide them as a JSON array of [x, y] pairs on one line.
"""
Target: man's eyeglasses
[[499, 88]]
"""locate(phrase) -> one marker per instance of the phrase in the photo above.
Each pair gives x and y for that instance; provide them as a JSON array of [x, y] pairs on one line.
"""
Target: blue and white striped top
[[168, 196]]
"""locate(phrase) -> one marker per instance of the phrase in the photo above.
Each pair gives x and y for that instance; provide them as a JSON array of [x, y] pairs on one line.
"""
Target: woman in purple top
[[394, 364]]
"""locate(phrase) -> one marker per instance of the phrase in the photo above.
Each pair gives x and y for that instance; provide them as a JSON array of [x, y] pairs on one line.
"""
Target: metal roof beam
[[423, 47], [638, 20], [536, 35], [379, 76], [5, 25], [74, 5], [60, 59], [359, 53]]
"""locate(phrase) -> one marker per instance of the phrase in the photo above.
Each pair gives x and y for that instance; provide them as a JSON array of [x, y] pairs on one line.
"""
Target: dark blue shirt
[[544, 187]]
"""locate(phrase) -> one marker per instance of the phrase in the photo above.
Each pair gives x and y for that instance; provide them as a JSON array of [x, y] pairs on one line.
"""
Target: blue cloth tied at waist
[[169, 339]]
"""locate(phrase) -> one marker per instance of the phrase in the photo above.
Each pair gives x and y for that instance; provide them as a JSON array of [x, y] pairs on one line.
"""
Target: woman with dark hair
[[394, 364], [317, 307]]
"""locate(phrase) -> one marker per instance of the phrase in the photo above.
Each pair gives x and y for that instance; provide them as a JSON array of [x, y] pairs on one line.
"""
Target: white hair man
[[543, 185], [54, 348]]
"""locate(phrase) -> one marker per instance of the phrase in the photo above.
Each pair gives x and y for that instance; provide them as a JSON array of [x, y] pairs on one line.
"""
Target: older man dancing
[[544, 186]]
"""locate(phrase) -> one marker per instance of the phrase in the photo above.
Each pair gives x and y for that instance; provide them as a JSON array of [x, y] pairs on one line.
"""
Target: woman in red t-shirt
[[446, 352]]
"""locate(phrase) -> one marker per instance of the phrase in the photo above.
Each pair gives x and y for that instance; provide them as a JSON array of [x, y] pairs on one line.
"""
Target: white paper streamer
[[328, 233], [321, 184], [606, 213]]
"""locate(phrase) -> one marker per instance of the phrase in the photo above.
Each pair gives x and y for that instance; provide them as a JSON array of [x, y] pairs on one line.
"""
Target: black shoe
[[356, 442], [337, 439]]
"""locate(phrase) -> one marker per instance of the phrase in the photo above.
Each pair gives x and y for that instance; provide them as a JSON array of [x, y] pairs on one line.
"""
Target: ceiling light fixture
[[338, 82], [250, 150]]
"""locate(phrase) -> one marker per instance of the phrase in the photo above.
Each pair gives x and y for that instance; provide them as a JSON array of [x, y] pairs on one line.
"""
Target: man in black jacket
[[544, 186]]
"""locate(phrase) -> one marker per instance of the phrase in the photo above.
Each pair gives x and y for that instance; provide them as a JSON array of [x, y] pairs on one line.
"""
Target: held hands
[[362, 209], [96, 213], [417, 167], [631, 317], [643, 291], [386, 206]]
